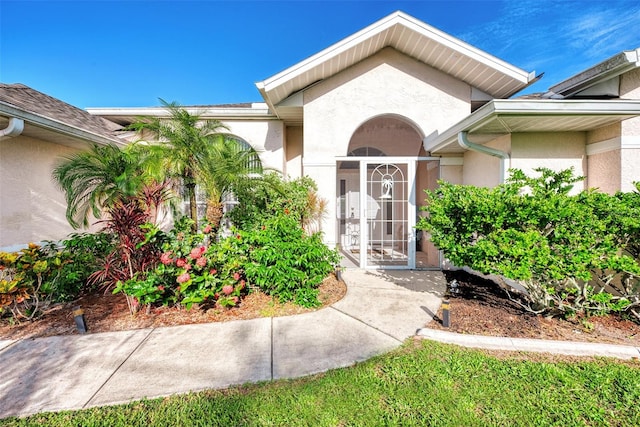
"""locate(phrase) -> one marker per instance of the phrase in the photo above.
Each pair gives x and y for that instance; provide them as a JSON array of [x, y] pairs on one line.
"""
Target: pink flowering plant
[[192, 269]]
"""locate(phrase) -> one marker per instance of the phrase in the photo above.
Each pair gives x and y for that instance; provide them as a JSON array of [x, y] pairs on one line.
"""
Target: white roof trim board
[[126, 115], [505, 116], [411, 37], [608, 69]]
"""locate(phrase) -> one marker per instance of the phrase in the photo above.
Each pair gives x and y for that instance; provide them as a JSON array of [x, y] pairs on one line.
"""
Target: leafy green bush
[[24, 285], [36, 276], [273, 195], [566, 250], [285, 262], [78, 256]]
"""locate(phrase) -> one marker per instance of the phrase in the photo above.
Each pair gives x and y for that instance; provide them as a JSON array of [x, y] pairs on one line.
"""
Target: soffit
[[502, 117], [411, 37]]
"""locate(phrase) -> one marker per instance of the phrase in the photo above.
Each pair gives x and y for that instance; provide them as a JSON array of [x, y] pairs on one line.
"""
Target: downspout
[[503, 156], [15, 128]]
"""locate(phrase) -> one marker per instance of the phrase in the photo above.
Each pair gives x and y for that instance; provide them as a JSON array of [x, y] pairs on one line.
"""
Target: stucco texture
[[483, 170], [603, 171], [266, 137], [32, 207], [386, 86], [556, 151]]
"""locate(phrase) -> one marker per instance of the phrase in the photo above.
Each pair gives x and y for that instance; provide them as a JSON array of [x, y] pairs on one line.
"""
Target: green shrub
[[24, 286], [78, 256], [272, 196], [568, 251], [36, 276], [286, 262]]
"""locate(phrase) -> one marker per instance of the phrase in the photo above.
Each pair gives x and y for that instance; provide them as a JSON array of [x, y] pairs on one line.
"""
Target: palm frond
[[95, 179]]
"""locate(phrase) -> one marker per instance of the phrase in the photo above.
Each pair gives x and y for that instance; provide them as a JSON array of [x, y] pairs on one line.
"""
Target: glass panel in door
[[387, 217]]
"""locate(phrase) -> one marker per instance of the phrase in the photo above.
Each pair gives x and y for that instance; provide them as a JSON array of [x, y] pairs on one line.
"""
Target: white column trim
[[630, 141], [603, 146], [451, 161]]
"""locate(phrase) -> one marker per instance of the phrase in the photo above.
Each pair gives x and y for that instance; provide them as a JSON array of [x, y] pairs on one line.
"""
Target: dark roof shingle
[[30, 100]]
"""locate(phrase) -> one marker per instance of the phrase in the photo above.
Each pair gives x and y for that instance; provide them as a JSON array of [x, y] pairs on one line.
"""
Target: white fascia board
[[537, 107], [614, 66], [468, 50], [382, 25], [256, 111], [328, 53], [57, 126], [570, 106]]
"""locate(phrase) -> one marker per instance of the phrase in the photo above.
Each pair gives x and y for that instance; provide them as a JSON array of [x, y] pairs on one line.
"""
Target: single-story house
[[383, 114], [36, 131]]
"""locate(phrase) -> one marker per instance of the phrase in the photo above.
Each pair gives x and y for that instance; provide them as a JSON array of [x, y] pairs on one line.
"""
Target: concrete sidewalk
[[379, 312]]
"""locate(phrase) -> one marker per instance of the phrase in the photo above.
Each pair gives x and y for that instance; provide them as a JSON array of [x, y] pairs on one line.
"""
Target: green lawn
[[421, 384]]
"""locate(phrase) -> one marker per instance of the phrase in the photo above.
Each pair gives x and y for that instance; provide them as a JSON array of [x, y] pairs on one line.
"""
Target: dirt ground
[[108, 312], [480, 307]]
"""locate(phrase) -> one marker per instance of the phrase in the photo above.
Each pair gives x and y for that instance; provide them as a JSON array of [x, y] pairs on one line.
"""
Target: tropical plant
[[24, 288], [76, 258], [191, 269], [532, 230], [181, 147], [228, 166], [138, 241], [96, 179], [272, 196], [285, 262]]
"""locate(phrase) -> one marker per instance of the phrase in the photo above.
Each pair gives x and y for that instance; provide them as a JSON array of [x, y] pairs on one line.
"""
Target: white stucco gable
[[412, 37]]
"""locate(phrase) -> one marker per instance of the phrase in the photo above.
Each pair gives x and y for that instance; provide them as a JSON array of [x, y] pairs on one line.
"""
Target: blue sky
[[129, 54]]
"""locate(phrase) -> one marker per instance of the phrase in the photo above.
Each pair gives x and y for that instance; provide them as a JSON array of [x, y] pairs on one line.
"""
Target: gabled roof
[[411, 37], [505, 116], [59, 120], [599, 73]]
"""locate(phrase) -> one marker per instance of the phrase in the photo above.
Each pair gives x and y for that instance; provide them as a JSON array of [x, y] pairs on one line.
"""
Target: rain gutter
[[14, 128], [503, 156], [56, 126]]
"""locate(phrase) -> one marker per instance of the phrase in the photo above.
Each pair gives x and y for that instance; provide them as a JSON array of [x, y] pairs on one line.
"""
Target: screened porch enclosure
[[377, 212]]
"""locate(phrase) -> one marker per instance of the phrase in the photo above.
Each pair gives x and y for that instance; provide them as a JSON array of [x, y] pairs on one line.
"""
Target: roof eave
[[57, 126], [520, 79], [537, 108], [226, 113], [614, 66]]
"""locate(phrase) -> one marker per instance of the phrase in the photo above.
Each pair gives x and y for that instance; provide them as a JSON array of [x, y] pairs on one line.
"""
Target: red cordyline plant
[[129, 220]]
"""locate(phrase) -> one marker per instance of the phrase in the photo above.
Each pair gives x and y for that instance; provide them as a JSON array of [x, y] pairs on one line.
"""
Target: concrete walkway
[[380, 311]]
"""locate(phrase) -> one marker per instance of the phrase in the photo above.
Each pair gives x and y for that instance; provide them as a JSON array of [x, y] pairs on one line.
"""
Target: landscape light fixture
[[81, 324]]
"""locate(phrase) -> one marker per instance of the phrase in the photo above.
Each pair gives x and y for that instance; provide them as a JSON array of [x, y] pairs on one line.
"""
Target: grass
[[422, 384]]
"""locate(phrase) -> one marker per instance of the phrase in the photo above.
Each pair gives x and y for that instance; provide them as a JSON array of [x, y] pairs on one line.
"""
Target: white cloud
[[560, 38], [605, 29]]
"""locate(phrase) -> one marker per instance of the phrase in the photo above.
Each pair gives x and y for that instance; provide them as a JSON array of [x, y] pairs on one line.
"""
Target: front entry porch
[[377, 212]]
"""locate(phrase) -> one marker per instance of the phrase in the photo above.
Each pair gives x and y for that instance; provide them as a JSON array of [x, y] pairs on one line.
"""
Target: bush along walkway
[[75, 372]]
